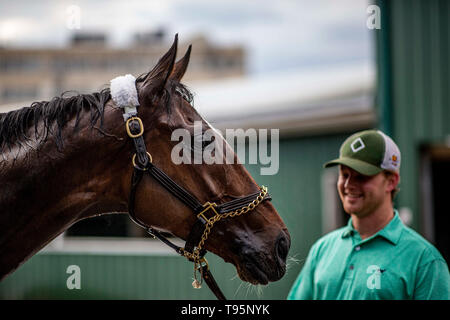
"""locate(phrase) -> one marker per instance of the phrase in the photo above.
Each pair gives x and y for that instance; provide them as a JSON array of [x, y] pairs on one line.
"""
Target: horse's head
[[256, 242]]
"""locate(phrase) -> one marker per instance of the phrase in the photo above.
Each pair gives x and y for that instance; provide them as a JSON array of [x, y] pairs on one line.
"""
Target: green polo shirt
[[395, 263]]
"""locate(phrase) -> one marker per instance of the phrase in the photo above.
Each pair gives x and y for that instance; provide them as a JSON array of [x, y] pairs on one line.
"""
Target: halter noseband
[[124, 94]]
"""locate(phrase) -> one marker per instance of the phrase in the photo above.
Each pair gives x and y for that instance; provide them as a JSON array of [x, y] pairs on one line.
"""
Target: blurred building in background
[[28, 75]]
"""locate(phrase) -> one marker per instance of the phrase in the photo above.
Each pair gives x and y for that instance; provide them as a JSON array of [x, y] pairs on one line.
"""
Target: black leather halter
[[207, 214]]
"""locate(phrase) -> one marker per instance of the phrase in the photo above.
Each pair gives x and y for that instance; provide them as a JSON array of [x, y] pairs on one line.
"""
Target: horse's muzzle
[[261, 265]]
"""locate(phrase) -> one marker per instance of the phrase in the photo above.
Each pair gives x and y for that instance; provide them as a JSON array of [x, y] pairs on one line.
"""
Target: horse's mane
[[55, 114], [15, 124]]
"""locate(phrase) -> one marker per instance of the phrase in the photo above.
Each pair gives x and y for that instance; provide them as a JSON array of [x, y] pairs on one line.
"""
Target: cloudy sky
[[278, 35]]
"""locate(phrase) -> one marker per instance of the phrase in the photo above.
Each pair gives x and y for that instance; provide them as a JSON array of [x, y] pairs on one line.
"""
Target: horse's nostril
[[282, 248]]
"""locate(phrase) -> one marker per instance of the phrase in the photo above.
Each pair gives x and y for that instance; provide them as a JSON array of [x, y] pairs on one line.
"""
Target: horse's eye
[[190, 119]]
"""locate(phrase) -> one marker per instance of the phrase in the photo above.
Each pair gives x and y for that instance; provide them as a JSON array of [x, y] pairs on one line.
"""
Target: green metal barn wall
[[414, 85], [296, 193]]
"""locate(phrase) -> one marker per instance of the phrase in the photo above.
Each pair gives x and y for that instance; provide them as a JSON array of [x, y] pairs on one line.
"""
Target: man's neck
[[370, 224]]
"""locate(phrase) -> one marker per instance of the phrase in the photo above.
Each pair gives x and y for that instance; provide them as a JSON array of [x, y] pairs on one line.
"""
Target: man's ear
[[393, 179], [155, 81]]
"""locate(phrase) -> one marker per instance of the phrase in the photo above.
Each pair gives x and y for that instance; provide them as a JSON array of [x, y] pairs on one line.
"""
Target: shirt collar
[[348, 229], [390, 232]]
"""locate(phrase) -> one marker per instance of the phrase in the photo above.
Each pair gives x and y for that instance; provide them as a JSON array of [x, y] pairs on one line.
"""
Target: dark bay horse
[[70, 158]]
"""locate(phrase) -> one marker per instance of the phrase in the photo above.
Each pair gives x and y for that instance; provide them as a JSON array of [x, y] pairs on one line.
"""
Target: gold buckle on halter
[[128, 127], [207, 206]]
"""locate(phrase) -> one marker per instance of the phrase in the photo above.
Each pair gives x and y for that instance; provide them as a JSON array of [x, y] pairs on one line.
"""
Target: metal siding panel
[[417, 55], [435, 62], [420, 35], [402, 108], [419, 47], [444, 27]]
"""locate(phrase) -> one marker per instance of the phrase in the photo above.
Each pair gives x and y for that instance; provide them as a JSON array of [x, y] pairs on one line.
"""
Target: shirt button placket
[[351, 268]]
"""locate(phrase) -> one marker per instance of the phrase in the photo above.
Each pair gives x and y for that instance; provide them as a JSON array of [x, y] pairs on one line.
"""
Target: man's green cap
[[369, 152]]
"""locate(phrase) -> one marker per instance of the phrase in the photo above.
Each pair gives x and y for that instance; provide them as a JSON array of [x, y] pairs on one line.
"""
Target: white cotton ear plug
[[124, 94]]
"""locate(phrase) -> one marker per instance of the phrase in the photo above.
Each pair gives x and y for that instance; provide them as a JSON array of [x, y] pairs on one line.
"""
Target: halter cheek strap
[[124, 94]]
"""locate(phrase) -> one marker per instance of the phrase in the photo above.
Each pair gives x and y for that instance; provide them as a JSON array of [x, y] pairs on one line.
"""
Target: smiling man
[[375, 256]]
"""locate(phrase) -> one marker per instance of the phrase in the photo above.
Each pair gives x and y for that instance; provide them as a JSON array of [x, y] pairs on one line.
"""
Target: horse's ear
[[181, 66], [156, 79]]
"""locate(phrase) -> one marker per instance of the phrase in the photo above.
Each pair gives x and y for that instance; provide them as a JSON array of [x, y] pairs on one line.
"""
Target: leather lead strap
[[212, 284]]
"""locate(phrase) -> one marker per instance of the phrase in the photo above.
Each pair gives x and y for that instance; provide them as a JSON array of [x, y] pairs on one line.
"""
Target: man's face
[[360, 194]]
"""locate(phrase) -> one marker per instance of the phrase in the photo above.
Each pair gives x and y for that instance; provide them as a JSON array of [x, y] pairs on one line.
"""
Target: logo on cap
[[394, 160], [357, 145]]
